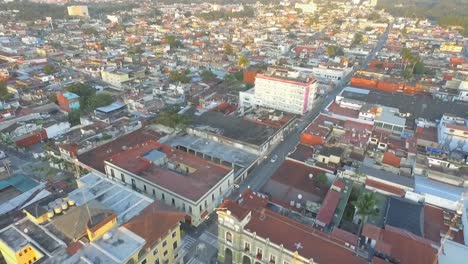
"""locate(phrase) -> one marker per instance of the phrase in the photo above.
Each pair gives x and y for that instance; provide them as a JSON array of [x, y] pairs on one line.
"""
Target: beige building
[[79, 11]]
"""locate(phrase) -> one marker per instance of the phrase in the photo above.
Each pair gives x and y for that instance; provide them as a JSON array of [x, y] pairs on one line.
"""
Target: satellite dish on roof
[[299, 196]]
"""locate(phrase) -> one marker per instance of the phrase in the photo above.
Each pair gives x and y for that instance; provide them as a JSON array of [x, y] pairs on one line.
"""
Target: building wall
[[27, 254], [96, 234], [81, 11], [194, 208], [114, 78], [241, 238], [284, 96], [167, 249]]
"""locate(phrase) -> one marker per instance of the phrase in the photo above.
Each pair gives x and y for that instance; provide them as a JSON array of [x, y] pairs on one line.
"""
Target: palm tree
[[243, 62], [406, 56], [365, 205]]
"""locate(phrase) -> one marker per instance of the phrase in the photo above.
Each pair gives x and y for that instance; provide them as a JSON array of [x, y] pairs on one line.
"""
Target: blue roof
[[112, 107], [70, 96], [19, 182], [356, 90], [442, 190]]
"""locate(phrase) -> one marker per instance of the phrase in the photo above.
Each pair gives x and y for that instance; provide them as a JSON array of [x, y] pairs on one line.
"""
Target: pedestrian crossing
[[194, 261], [188, 242], [209, 238]]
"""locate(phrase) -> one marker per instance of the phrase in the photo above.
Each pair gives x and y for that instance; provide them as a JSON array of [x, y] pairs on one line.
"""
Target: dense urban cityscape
[[234, 131]]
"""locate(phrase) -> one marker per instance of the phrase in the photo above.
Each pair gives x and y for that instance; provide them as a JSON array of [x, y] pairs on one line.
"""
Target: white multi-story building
[[453, 133], [283, 90], [307, 8]]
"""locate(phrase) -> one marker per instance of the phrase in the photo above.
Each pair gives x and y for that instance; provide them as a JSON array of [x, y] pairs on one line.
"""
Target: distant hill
[[446, 12]]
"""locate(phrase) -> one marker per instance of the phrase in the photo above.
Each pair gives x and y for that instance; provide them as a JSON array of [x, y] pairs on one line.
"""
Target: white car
[[274, 158]]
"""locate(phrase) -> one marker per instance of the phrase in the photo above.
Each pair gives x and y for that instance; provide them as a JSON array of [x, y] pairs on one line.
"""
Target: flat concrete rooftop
[[213, 149], [124, 202], [231, 127], [419, 106]]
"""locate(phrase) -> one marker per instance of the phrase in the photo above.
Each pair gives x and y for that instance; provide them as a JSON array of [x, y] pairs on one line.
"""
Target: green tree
[[90, 31], [357, 39], [74, 117], [171, 118], [207, 75], [333, 51], [243, 62], [418, 68], [4, 93], [53, 98], [98, 100], [48, 69], [321, 179], [173, 42], [179, 76], [228, 49], [365, 205]]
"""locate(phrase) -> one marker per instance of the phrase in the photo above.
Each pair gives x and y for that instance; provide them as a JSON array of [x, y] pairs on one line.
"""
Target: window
[[183, 207], [174, 246], [173, 202], [155, 252], [164, 243], [272, 259], [206, 204], [212, 197], [144, 187], [247, 246], [220, 191], [144, 261], [163, 197], [259, 253], [165, 253], [190, 209], [229, 237], [201, 208], [112, 173], [174, 234], [157, 261], [122, 176], [154, 192]]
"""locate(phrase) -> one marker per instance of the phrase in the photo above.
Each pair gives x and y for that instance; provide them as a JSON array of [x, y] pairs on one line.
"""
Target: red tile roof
[[391, 159], [95, 158], [402, 245], [385, 187], [193, 185], [329, 205], [154, 223], [337, 109], [434, 225], [307, 241], [292, 178]]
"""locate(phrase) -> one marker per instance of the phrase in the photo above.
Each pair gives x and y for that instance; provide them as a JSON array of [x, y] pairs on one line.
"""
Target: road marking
[[212, 240]]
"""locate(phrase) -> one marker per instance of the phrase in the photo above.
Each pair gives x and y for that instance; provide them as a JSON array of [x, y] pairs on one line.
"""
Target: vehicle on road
[[274, 158]]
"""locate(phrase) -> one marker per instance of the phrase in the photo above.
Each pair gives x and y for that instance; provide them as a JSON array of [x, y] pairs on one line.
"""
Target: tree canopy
[[171, 118], [179, 76], [243, 62], [334, 51], [4, 94]]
